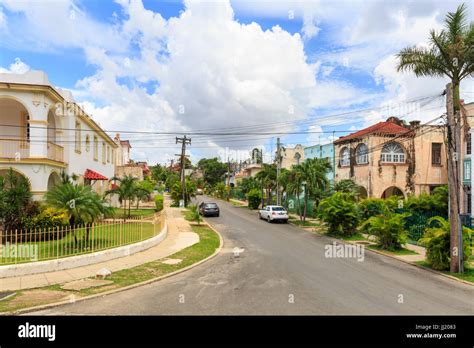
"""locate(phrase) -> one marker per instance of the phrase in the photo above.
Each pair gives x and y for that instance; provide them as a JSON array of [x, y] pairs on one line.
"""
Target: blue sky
[[276, 65]]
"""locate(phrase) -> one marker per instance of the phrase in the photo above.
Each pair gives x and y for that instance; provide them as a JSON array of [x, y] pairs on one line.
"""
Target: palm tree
[[80, 203], [451, 54], [284, 180], [126, 191], [313, 171], [295, 185], [267, 178]]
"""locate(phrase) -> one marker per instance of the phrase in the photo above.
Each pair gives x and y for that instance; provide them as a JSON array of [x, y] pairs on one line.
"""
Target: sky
[[304, 71]]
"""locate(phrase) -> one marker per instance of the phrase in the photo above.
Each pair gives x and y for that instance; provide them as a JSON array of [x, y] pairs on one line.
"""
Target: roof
[[91, 175], [125, 142], [384, 128]]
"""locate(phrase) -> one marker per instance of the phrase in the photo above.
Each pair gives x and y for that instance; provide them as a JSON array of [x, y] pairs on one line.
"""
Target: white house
[[43, 131]]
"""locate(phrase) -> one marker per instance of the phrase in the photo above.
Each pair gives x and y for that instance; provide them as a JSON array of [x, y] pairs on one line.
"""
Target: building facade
[[291, 156], [325, 151], [391, 158], [467, 112], [43, 132]]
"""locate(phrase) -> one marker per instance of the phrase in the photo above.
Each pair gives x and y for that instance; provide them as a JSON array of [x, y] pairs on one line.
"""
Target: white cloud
[[18, 67]]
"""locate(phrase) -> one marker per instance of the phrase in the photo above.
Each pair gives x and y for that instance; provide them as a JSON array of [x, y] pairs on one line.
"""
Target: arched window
[[345, 157], [78, 138], [393, 153], [362, 154]]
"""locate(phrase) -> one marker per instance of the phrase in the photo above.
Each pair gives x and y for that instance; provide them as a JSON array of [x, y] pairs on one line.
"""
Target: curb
[[114, 291], [401, 260]]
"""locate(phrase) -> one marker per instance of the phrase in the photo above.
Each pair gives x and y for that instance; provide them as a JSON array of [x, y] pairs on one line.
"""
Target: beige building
[[391, 158], [247, 171], [291, 156], [467, 111]]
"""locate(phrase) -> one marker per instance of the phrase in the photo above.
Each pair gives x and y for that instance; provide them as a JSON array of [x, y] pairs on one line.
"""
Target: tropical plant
[[388, 228], [372, 207], [437, 242], [194, 214], [127, 191], [159, 200], [347, 186], [312, 173], [450, 52], [15, 196], [267, 179], [340, 213], [220, 190], [177, 192], [248, 184], [254, 197], [80, 203]]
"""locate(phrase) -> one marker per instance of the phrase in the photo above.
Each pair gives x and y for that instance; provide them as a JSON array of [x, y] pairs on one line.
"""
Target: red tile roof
[[385, 128], [91, 175]]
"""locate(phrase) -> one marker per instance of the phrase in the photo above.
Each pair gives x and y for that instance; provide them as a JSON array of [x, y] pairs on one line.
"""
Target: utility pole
[[453, 182], [278, 172], [183, 141]]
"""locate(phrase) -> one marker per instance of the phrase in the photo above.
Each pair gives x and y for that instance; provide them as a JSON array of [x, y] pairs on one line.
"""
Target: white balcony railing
[[19, 149]]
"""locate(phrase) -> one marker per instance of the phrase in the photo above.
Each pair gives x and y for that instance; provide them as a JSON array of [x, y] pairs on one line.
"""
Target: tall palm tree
[[126, 191], [295, 185], [450, 52], [313, 171], [80, 203], [267, 178]]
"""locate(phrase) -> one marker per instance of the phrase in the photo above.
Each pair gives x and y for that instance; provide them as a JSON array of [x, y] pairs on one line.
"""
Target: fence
[[33, 245]]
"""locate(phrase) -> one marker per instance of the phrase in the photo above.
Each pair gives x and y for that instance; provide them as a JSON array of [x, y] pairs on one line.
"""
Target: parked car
[[273, 213], [209, 209]]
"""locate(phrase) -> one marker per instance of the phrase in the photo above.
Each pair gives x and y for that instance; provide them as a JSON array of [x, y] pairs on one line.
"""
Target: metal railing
[[32, 245]]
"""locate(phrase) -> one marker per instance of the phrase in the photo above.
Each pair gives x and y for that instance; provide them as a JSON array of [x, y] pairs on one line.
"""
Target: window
[[392, 153], [467, 170], [113, 156], [78, 137], [96, 148], [362, 154], [436, 153], [108, 154], [103, 152], [468, 144], [345, 157], [88, 143]]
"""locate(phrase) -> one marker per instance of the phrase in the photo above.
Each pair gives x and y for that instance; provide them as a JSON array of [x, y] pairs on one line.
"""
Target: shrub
[[48, 218], [437, 242], [372, 207], [426, 203], [388, 228], [340, 213], [220, 190], [159, 199], [194, 215], [254, 198]]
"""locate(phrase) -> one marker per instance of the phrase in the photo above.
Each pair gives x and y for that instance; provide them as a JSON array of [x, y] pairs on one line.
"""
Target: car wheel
[[269, 219]]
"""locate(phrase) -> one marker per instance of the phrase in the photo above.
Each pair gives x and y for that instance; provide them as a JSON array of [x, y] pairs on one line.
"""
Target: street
[[283, 270]]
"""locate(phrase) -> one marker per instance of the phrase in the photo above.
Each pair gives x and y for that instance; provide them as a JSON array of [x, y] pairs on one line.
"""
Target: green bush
[[254, 198], [159, 199], [372, 207], [47, 218], [340, 213], [388, 228], [437, 242], [194, 215]]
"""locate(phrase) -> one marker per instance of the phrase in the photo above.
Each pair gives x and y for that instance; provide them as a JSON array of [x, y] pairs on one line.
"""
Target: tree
[[347, 186], [267, 178], [80, 203], [213, 170], [177, 194], [248, 184], [127, 191], [313, 173], [450, 53], [254, 197], [15, 196]]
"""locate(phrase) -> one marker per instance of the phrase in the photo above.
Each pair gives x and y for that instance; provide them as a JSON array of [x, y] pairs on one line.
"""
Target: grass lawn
[[304, 223], [119, 212], [402, 251], [468, 274], [208, 243], [101, 237]]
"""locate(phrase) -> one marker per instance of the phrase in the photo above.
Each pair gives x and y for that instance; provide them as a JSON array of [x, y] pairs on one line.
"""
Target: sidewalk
[[180, 236]]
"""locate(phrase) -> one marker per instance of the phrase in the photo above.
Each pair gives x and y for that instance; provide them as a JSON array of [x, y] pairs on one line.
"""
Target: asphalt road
[[283, 270]]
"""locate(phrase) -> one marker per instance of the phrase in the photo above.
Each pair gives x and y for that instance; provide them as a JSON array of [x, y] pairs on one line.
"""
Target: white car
[[273, 213]]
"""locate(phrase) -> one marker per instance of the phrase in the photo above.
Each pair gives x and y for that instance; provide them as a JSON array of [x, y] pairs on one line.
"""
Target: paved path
[[180, 236], [283, 270]]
